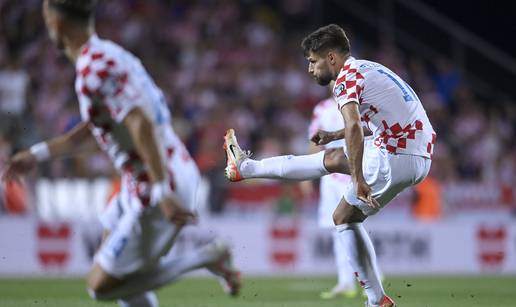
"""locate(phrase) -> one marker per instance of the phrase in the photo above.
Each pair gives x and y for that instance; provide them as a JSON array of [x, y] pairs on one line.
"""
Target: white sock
[[345, 275], [362, 259], [146, 299], [166, 271], [286, 167]]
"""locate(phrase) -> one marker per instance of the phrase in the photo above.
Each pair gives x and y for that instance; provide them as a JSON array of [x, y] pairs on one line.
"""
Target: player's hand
[[20, 164], [322, 137], [175, 213], [364, 193]]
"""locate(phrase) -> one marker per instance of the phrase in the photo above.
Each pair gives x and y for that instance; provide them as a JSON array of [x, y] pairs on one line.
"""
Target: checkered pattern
[[431, 144], [100, 79], [366, 116], [110, 82], [349, 84], [399, 125], [394, 137]]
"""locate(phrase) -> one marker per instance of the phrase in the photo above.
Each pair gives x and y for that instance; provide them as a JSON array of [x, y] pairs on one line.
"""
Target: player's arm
[[141, 130], [77, 140], [354, 136], [322, 137]]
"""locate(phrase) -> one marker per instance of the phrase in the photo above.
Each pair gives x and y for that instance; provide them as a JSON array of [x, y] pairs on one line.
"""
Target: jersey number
[[408, 95]]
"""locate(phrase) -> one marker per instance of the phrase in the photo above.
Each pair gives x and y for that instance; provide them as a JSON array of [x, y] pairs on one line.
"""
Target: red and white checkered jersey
[[388, 107], [326, 116], [111, 82]]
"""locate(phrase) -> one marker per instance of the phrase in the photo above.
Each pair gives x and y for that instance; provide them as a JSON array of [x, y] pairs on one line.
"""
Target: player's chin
[[323, 81]]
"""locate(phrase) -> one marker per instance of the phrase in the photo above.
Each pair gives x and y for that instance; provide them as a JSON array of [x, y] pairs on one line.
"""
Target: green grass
[[281, 292]]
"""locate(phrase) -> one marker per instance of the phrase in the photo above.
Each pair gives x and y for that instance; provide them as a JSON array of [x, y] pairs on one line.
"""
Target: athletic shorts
[[387, 174], [138, 238]]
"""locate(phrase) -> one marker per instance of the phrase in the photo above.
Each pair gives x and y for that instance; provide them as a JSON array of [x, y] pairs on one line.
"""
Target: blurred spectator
[[427, 204], [447, 78], [14, 82]]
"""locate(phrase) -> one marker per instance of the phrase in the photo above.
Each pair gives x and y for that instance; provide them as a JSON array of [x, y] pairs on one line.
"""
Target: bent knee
[[339, 218], [335, 161], [347, 214], [100, 282], [96, 288]]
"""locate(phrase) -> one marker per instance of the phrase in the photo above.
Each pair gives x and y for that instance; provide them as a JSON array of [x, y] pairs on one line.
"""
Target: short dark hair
[[325, 38], [75, 10]]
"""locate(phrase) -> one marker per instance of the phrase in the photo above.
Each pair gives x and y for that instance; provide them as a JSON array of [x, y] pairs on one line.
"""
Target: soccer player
[[124, 111], [326, 117], [370, 94]]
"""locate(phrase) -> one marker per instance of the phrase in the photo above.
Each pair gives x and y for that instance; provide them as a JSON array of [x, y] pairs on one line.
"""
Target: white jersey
[[110, 82], [326, 116], [388, 107]]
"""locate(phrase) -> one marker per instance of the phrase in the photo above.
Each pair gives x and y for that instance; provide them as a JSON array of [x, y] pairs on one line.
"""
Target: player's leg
[[188, 190], [305, 167], [133, 252], [360, 250], [101, 283], [345, 275], [98, 280], [165, 271], [346, 283], [115, 257], [330, 194]]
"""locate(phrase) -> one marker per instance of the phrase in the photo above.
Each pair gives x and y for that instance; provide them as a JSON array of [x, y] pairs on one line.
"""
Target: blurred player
[[125, 113], [327, 117], [370, 94]]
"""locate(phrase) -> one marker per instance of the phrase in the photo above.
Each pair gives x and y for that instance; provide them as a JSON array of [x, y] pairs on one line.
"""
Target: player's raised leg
[[305, 167]]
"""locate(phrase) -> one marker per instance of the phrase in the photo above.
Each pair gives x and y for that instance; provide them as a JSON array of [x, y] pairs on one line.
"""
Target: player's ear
[[331, 57]]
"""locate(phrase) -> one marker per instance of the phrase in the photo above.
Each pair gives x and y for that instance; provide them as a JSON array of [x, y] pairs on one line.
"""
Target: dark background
[[494, 21]]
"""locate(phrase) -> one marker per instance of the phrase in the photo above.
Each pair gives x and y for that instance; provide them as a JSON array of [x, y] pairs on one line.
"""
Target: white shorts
[[138, 238], [331, 192], [387, 175]]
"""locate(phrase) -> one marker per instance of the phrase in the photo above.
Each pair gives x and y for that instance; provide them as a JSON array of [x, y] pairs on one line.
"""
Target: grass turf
[[265, 292]]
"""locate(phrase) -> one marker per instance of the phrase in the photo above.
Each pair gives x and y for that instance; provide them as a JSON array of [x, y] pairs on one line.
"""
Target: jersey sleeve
[[349, 85], [104, 80]]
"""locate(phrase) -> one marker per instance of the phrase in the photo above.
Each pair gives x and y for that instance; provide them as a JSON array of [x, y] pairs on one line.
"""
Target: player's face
[[319, 68], [52, 22]]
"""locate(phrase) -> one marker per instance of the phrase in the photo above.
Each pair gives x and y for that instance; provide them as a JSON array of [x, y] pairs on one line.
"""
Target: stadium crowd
[[234, 64]]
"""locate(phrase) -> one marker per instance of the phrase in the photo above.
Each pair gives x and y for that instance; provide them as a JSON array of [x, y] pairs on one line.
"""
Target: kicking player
[[370, 94], [124, 111]]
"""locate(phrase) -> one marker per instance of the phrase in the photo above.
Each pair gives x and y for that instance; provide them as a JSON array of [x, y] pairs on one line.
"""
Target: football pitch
[[281, 292]]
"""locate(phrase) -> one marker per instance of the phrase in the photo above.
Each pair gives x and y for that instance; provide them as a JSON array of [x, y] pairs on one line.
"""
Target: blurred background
[[238, 64]]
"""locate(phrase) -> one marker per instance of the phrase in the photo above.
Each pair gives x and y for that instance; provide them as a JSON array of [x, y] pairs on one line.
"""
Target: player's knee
[[339, 217], [99, 284], [335, 161], [345, 214], [94, 295], [96, 288], [98, 291]]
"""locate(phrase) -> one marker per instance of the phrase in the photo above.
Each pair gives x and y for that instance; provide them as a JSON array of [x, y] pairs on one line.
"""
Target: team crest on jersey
[[338, 90]]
